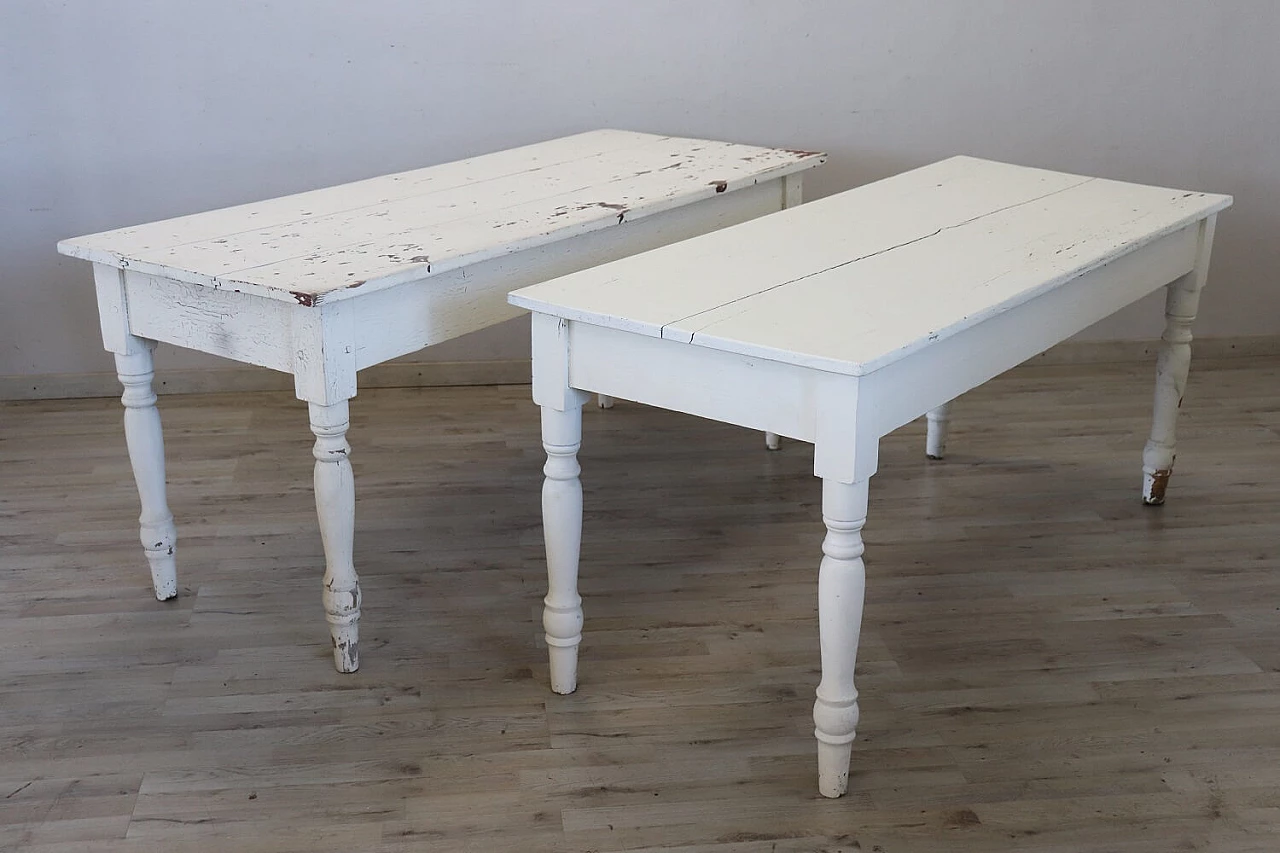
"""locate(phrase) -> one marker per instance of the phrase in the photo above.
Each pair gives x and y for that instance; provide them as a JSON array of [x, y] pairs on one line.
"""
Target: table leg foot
[[336, 510], [604, 401], [164, 573], [562, 533], [1154, 484], [939, 420], [833, 768], [345, 637], [841, 589], [564, 667], [145, 440], [772, 441]]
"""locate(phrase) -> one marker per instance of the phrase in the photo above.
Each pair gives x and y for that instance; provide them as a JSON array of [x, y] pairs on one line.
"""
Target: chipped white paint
[[212, 321], [336, 508], [325, 283], [840, 320], [1173, 362], [330, 244]]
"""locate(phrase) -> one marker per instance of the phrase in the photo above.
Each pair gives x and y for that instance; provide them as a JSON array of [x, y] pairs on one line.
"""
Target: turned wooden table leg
[[1182, 301], [336, 509], [562, 532], [146, 454], [841, 586], [939, 419]]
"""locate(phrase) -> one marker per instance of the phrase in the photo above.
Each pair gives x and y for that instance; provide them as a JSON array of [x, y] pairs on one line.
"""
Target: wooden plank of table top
[[382, 189], [512, 225], [818, 285], [652, 290], [382, 231], [488, 202], [958, 277]]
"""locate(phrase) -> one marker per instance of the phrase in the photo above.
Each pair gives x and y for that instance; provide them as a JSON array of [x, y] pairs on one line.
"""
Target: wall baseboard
[[516, 371], [1121, 352]]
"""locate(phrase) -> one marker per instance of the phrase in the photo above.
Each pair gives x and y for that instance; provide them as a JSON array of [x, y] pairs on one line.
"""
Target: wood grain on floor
[[1046, 664]]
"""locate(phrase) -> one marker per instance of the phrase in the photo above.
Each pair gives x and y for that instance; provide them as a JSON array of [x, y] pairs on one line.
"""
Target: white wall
[[117, 113]]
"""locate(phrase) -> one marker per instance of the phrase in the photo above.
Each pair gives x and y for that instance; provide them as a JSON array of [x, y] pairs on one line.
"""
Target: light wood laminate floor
[[1046, 664]]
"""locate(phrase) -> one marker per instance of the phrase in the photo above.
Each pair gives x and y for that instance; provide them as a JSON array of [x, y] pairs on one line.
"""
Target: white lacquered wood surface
[[325, 283], [841, 320], [854, 281]]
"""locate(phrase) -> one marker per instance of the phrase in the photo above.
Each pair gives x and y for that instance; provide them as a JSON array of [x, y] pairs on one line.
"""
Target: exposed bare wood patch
[[1159, 483]]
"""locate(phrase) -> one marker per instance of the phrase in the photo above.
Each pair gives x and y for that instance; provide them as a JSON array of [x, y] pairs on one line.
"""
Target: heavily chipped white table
[[841, 320], [326, 283]]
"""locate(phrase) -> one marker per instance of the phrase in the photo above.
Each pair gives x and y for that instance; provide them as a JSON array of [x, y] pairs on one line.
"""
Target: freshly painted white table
[[841, 320], [326, 283]]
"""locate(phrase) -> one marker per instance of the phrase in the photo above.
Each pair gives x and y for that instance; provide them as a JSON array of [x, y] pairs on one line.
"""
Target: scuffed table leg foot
[[336, 509], [1154, 484], [841, 588], [939, 420]]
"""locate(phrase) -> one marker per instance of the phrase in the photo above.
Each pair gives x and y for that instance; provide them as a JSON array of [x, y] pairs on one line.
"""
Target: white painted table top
[[334, 243], [855, 281]]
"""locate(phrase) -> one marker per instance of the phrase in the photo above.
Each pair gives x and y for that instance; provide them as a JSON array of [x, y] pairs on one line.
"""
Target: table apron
[[846, 415], [938, 373], [246, 328], [743, 390]]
